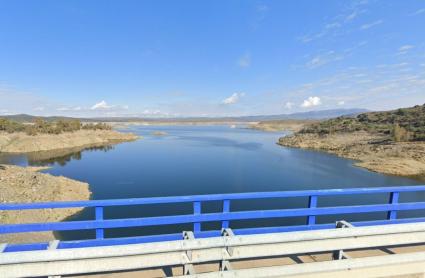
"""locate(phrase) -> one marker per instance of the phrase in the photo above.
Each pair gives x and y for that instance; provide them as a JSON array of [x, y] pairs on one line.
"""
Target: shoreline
[[23, 185], [21, 143], [372, 152]]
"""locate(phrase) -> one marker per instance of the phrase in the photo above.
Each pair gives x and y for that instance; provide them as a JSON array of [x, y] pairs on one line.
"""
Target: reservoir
[[190, 160]]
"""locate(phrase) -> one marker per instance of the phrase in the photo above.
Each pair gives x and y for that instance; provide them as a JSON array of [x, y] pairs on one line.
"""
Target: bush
[[400, 134]]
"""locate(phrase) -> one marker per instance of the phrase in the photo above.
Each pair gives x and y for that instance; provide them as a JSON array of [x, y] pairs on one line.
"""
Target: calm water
[[209, 159]]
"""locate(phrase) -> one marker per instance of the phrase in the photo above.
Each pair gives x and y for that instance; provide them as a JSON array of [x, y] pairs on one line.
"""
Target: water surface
[[210, 159]]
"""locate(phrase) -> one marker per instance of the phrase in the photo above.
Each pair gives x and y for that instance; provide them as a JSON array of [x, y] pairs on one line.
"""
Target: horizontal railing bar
[[203, 234], [211, 197], [196, 244], [207, 217]]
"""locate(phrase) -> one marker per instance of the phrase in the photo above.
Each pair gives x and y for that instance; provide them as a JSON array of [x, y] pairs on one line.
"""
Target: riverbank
[[20, 142], [18, 184], [373, 152]]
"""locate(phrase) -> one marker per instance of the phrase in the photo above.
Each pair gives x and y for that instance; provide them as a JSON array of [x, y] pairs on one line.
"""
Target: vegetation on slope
[[40, 126], [401, 125]]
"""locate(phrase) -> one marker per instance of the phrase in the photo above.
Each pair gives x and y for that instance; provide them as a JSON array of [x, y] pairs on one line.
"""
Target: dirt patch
[[27, 185]]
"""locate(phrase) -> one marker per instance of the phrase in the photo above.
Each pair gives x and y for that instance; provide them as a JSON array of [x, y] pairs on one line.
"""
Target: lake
[[209, 159]]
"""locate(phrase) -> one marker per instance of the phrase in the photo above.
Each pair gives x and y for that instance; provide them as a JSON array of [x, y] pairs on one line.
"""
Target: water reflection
[[48, 158]]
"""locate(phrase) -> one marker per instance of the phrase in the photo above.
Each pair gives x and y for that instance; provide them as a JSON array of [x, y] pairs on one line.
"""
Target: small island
[[390, 142]]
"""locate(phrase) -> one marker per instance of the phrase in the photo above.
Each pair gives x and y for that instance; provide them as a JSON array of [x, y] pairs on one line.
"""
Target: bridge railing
[[99, 224]]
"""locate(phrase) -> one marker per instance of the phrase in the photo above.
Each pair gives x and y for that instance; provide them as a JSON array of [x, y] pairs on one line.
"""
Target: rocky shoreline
[[373, 152], [26, 185]]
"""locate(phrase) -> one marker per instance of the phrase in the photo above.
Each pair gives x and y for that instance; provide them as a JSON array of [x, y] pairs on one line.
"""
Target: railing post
[[312, 203], [392, 215], [226, 208], [99, 216], [196, 211]]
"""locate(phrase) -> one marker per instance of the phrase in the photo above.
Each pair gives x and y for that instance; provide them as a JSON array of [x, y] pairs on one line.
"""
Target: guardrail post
[[392, 215], [340, 254], [188, 268], [228, 251], [226, 208], [312, 203], [196, 211], [99, 216]]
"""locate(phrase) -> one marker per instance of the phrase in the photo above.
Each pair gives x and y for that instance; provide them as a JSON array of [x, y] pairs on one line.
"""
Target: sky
[[209, 58]]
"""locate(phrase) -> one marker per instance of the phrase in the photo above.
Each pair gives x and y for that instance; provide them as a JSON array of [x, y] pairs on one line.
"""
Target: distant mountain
[[311, 115], [25, 118]]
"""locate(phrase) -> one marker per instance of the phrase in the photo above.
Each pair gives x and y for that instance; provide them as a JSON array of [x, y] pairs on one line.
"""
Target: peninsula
[[390, 142], [18, 137]]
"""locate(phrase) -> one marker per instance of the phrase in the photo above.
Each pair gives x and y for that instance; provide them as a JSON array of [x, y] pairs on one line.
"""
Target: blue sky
[[209, 58]]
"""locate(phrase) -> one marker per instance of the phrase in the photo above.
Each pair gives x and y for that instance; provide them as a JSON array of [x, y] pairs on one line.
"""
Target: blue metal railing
[[99, 224]]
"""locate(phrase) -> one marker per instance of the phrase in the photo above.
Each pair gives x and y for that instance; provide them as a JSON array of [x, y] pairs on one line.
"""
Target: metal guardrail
[[228, 248], [197, 217]]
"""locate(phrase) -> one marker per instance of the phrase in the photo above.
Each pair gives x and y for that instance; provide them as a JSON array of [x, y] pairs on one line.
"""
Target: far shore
[[268, 126]]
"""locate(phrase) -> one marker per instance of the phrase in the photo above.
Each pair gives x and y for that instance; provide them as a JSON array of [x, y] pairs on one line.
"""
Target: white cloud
[[40, 108], [332, 25], [67, 108], [323, 59], [289, 105], [372, 24], [420, 11], [311, 101], [101, 106], [341, 102], [351, 16], [404, 49], [234, 98], [245, 61], [155, 113]]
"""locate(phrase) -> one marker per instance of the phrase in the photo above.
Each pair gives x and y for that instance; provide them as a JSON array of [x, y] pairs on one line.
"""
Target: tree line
[[40, 126]]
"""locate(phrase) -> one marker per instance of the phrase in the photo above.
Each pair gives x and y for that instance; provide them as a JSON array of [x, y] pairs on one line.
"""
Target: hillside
[[404, 124], [391, 142]]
